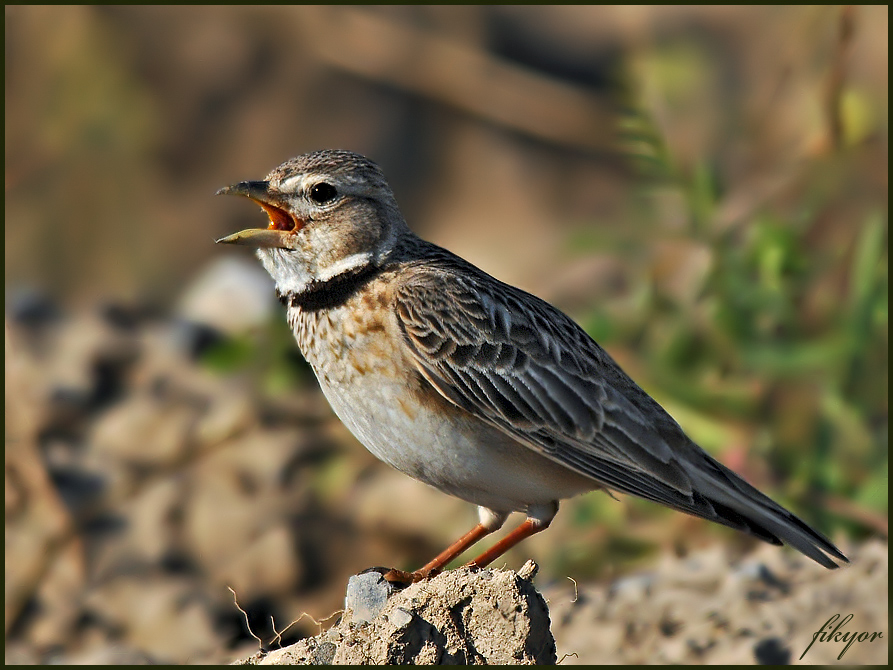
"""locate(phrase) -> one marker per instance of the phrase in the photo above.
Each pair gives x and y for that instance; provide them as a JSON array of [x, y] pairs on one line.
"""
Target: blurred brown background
[[704, 189]]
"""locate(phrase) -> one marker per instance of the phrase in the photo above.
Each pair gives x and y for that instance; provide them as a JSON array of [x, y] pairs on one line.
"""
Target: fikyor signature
[[836, 635]]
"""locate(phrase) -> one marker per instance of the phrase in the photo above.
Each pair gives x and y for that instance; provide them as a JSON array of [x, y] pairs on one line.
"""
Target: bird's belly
[[444, 446]]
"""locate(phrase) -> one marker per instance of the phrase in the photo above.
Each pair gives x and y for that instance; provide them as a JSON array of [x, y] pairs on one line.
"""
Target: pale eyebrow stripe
[[298, 179]]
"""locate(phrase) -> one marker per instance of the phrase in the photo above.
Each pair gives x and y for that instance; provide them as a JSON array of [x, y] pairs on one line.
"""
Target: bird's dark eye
[[322, 192]]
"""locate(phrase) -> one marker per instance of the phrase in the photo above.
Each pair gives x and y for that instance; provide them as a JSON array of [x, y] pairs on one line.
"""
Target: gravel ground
[[701, 610]]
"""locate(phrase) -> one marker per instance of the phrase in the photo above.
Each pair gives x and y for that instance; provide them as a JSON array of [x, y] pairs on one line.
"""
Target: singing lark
[[466, 383]]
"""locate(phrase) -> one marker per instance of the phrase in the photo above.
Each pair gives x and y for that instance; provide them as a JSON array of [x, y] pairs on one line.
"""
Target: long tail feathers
[[740, 505]]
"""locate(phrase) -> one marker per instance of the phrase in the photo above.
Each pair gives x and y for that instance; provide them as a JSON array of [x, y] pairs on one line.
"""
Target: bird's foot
[[402, 579]]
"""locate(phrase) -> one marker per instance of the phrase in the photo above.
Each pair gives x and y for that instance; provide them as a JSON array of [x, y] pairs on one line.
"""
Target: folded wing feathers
[[527, 382], [564, 402]]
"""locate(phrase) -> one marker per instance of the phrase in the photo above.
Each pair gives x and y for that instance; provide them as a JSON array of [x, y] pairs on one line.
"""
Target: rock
[[463, 616]]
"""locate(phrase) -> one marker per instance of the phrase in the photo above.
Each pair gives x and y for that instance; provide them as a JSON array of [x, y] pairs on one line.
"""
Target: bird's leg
[[448, 554], [538, 519], [522, 532], [490, 522]]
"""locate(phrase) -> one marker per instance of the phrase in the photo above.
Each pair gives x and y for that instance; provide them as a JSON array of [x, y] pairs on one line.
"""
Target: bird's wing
[[519, 364]]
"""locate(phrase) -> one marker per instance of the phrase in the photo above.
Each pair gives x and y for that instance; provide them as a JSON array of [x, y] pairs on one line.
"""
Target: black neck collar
[[333, 292]]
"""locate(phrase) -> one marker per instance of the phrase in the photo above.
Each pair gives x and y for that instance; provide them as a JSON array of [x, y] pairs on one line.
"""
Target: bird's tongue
[[280, 219]]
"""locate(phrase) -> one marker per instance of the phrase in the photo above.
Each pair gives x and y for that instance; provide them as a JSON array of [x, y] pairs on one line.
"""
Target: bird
[[473, 386]]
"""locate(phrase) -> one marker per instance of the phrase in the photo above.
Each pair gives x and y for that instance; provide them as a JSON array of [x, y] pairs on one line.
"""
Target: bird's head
[[330, 213]]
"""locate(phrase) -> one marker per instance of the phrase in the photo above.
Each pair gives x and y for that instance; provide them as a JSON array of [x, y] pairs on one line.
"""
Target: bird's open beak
[[280, 234]]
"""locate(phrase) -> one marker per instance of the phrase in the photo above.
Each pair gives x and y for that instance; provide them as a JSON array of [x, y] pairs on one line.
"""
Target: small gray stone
[[367, 594]]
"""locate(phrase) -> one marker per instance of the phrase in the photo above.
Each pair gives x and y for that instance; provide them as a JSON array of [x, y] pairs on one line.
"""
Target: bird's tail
[[739, 505]]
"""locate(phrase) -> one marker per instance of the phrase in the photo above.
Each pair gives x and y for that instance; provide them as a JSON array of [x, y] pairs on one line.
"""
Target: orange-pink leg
[[538, 519], [448, 554], [522, 532], [490, 522]]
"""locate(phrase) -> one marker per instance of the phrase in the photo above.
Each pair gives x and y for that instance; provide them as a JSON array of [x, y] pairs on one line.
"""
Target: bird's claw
[[403, 579]]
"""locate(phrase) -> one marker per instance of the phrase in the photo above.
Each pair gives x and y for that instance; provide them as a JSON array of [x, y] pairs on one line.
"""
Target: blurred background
[[704, 189]]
